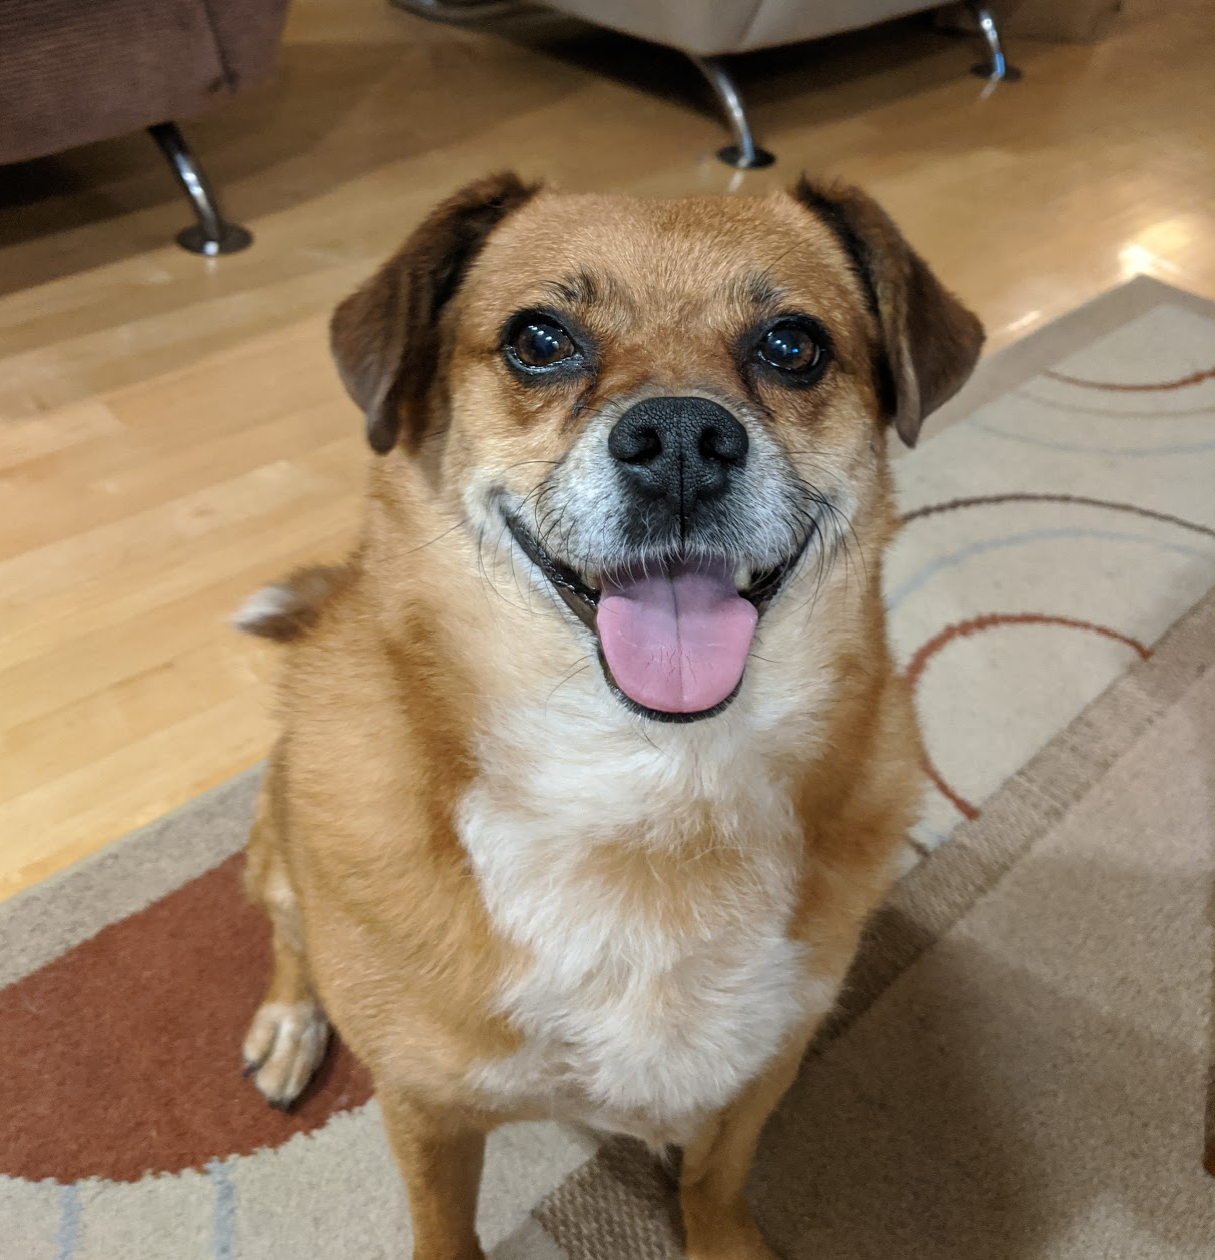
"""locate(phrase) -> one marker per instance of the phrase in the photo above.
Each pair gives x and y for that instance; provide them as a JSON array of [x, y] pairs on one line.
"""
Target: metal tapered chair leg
[[468, 12], [212, 234], [744, 153], [996, 66]]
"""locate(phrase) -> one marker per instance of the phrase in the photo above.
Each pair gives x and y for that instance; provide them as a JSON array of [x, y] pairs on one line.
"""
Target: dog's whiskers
[[570, 674]]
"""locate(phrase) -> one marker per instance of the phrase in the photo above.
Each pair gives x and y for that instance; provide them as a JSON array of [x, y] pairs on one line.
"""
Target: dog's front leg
[[717, 1222], [440, 1158]]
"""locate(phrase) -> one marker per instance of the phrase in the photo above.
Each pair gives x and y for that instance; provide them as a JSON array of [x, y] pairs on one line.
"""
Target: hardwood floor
[[171, 432]]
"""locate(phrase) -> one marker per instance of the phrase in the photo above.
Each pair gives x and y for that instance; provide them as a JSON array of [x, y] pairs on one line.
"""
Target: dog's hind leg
[[286, 1040]]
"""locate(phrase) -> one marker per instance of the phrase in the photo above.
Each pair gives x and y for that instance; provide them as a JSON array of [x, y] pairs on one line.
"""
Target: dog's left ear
[[385, 335], [930, 342]]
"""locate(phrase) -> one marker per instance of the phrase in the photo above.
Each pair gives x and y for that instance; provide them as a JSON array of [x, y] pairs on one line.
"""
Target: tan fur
[[408, 686], [290, 607]]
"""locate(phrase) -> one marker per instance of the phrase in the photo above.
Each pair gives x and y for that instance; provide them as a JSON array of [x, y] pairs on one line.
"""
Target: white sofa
[[708, 29]]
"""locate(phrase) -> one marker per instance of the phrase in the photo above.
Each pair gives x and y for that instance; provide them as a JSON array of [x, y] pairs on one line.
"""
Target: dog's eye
[[537, 343], [791, 346]]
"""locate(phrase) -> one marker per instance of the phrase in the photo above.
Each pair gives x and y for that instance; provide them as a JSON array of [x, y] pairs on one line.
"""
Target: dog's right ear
[[930, 342], [385, 335]]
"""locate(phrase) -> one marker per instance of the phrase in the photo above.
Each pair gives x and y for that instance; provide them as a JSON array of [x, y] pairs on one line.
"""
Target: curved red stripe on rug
[[122, 1056], [1194, 378], [976, 625], [960, 803]]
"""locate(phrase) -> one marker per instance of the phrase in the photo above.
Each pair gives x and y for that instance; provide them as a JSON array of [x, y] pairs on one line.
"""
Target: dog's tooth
[[742, 576]]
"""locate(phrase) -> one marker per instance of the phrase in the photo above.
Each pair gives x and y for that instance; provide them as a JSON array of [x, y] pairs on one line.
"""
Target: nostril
[[724, 441], [634, 443]]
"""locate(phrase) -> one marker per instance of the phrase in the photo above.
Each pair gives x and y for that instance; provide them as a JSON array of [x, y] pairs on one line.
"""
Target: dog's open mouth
[[674, 633]]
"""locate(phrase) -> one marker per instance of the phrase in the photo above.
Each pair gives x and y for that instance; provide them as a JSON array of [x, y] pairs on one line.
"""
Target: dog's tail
[[285, 609]]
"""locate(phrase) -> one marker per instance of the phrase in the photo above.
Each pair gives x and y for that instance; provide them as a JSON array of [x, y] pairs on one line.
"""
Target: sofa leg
[[996, 66], [459, 13], [744, 153], [212, 234]]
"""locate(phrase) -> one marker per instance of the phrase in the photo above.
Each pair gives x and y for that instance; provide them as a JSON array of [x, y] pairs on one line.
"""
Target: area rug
[[1018, 1066]]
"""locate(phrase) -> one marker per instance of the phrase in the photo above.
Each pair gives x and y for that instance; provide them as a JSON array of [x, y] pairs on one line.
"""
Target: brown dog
[[593, 758]]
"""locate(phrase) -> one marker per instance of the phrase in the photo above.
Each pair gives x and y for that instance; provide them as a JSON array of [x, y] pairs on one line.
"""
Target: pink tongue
[[676, 640]]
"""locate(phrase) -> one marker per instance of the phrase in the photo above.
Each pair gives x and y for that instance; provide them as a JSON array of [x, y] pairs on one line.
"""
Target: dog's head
[[665, 406]]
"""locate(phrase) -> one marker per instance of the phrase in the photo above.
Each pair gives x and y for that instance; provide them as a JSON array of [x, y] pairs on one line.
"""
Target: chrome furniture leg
[[453, 11], [744, 153], [996, 67], [212, 234]]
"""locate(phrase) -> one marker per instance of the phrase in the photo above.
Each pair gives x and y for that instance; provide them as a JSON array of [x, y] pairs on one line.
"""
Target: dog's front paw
[[284, 1045]]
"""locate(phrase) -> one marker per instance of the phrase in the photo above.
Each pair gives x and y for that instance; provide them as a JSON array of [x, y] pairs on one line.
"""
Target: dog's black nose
[[678, 449]]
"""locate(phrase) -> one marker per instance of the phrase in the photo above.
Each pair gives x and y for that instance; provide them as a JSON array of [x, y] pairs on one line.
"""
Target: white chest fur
[[633, 1019]]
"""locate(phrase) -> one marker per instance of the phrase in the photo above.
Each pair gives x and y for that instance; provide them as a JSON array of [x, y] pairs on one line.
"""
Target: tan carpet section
[[621, 1203]]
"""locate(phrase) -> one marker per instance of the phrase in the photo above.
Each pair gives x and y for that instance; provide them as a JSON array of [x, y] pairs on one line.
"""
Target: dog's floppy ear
[[930, 342], [385, 335]]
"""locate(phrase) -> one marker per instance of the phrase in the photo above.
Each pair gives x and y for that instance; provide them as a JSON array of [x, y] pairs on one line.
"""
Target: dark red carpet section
[[122, 1057]]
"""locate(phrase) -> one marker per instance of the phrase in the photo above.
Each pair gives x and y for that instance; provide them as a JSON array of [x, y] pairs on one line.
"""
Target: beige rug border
[[42, 922], [929, 901], [1012, 366]]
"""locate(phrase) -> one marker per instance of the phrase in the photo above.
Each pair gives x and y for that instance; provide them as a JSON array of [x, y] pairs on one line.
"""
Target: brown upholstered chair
[[74, 71]]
